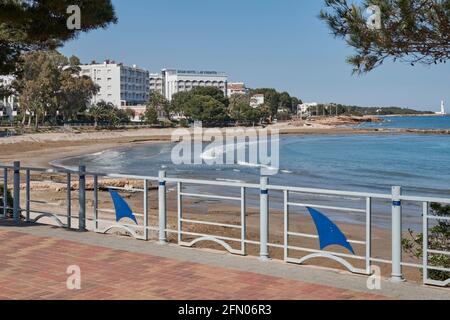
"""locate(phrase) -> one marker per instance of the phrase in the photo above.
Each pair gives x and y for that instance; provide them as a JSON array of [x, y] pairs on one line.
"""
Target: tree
[[413, 31], [295, 102], [29, 25], [242, 112], [285, 101], [179, 102], [238, 99], [97, 112], [75, 93], [50, 85], [38, 84], [130, 113], [158, 102], [108, 113], [206, 109], [438, 240], [213, 92], [151, 115], [271, 98], [266, 113], [207, 104]]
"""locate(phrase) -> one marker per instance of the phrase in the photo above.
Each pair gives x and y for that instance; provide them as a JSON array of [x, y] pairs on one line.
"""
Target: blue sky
[[266, 43]]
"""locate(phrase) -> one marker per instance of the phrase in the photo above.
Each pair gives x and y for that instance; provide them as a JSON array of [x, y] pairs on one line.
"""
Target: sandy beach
[[39, 149]]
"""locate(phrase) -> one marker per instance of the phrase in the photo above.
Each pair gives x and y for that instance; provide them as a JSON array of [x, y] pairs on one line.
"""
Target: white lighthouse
[[442, 112]]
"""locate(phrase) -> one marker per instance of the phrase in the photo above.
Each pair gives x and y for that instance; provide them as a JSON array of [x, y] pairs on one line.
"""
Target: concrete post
[[69, 201], [396, 275], [28, 195], [264, 220], [146, 207], [16, 192], [82, 199], [162, 202], [5, 192]]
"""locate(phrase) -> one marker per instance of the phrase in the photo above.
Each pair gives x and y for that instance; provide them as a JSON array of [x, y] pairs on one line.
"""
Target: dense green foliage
[[30, 25], [212, 107], [151, 115], [413, 31], [155, 102], [438, 239], [51, 89], [277, 100], [108, 114]]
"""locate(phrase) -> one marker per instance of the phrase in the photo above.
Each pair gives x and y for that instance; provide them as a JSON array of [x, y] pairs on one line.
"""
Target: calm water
[[419, 163], [419, 122]]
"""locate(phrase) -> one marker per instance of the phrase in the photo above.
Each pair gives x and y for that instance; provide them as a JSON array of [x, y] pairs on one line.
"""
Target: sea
[[419, 163]]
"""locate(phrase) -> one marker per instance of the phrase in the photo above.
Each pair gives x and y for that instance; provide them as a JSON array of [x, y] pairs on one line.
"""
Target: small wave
[[229, 180], [257, 165], [212, 153], [98, 153]]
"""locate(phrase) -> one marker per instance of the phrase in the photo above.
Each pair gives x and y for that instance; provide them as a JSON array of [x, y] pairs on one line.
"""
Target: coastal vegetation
[[438, 239], [336, 109], [51, 89], [411, 31], [213, 108], [108, 115], [27, 26]]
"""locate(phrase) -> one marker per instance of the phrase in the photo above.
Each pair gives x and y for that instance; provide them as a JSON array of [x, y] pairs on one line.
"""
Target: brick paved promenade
[[34, 267], [34, 260]]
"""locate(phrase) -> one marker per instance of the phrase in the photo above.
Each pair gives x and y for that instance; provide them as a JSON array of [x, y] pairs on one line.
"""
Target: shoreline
[[40, 149]]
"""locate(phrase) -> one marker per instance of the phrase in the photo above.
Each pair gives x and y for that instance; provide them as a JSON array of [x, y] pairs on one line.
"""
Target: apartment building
[[171, 81], [119, 84]]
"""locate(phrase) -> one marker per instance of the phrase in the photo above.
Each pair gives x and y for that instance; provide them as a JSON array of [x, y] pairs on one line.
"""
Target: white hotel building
[[9, 106], [120, 85], [171, 81]]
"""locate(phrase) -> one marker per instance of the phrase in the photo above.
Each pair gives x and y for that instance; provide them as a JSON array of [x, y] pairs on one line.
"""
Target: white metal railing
[[101, 223], [336, 256]]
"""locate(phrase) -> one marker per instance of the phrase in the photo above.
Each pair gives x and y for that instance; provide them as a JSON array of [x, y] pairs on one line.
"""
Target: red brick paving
[[35, 268]]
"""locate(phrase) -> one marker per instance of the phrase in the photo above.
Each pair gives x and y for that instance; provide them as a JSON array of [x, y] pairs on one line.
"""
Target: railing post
[[145, 206], [5, 193], [69, 201], [162, 201], [28, 195], [96, 225], [396, 275], [264, 220], [16, 193], [425, 242], [82, 199]]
